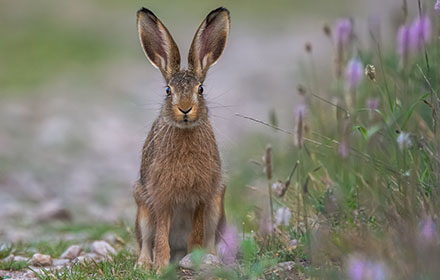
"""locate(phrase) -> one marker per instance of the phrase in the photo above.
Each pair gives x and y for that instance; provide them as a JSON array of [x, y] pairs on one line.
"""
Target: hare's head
[[185, 104]]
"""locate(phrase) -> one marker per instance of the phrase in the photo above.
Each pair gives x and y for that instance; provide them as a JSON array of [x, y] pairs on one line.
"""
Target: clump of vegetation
[[363, 202]]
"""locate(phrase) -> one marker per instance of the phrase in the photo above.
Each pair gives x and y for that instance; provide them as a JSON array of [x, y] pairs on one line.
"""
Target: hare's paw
[[161, 263], [143, 263]]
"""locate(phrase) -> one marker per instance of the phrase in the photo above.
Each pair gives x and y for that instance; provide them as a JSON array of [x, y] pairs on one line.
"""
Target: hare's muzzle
[[186, 113]]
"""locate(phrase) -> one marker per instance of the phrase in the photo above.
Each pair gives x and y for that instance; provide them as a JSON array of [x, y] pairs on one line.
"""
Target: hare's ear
[[209, 42], [158, 44]]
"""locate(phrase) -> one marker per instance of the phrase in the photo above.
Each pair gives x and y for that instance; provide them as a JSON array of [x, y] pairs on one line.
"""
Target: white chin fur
[[186, 125]]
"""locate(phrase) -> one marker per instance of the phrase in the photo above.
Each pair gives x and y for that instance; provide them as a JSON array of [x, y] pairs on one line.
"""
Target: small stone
[[79, 259], [9, 258], [41, 260], [98, 258], [287, 266], [89, 257], [61, 262], [113, 238], [20, 259], [102, 248], [33, 272], [72, 252], [292, 244], [208, 261], [29, 274]]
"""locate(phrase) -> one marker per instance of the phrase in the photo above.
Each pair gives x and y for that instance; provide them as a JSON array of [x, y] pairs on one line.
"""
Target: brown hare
[[180, 193]]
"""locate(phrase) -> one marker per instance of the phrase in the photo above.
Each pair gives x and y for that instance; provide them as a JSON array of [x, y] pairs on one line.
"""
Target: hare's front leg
[[161, 244], [197, 229], [145, 234]]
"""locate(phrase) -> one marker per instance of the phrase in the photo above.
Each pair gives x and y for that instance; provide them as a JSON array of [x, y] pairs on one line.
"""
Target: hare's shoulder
[[148, 150]]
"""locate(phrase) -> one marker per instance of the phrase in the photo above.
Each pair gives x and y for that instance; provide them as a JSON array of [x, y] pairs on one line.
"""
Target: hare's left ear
[[209, 42]]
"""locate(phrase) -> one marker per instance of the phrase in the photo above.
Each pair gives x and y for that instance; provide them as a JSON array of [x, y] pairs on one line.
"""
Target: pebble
[[208, 261], [72, 252], [60, 262], [12, 258], [9, 258], [20, 259], [102, 248], [113, 238], [41, 260], [287, 266]]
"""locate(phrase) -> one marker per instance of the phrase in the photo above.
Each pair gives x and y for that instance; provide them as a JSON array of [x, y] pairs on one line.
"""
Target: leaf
[[411, 110], [373, 130], [362, 130]]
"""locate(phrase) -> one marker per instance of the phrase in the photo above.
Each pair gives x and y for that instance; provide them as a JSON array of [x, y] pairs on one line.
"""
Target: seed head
[[327, 30], [308, 47], [268, 162], [301, 90], [300, 112], [370, 72]]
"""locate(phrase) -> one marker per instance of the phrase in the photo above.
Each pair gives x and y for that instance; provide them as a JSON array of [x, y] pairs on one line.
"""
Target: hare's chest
[[187, 170]]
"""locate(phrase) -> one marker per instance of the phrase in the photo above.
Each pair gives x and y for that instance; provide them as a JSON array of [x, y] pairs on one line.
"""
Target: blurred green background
[[77, 96]]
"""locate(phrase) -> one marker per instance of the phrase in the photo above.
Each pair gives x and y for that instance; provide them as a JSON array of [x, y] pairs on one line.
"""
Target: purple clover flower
[[354, 73], [283, 216], [404, 140], [344, 31], [373, 104], [428, 229], [360, 268], [344, 149], [403, 37], [300, 110], [356, 268], [420, 32], [437, 6], [228, 245]]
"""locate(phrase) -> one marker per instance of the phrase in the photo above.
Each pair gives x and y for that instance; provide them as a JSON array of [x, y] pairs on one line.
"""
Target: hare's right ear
[[209, 42], [158, 44]]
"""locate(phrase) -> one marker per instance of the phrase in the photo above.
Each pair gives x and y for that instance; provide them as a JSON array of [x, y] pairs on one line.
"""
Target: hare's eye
[[168, 90], [200, 89]]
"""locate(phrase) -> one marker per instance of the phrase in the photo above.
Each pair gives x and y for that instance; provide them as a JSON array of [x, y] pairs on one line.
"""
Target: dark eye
[[168, 90], [200, 89]]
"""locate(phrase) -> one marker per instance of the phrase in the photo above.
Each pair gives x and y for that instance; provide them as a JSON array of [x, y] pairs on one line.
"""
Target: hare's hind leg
[[197, 228], [145, 229]]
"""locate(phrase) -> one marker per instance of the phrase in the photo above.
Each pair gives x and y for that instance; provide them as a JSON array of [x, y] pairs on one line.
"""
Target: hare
[[180, 194]]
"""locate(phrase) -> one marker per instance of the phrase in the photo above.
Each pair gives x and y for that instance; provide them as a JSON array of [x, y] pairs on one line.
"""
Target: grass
[[13, 265], [56, 48]]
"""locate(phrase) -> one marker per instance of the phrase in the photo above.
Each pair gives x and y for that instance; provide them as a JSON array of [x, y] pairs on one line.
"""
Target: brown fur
[[180, 194]]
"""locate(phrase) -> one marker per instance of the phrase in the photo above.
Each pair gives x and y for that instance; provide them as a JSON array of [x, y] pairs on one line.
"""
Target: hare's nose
[[185, 112]]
